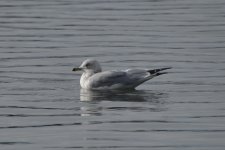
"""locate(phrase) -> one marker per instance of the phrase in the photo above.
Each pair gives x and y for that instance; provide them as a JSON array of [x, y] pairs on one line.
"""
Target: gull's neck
[[85, 78], [89, 73]]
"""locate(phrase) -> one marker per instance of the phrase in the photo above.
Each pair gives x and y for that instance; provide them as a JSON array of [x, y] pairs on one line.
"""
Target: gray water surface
[[43, 108]]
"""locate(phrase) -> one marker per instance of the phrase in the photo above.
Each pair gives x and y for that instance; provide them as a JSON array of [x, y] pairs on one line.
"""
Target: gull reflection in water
[[94, 95], [93, 98]]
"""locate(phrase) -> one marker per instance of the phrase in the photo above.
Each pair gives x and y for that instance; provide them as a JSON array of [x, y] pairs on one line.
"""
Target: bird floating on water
[[93, 78]]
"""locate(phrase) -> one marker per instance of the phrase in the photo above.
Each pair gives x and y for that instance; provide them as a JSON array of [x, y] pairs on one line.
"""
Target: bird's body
[[112, 79], [94, 78]]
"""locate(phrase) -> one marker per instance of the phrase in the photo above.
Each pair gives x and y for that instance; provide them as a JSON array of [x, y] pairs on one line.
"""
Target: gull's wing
[[126, 79], [138, 76], [108, 79]]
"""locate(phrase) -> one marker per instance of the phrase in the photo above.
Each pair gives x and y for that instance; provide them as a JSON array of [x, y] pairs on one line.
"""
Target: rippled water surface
[[42, 106]]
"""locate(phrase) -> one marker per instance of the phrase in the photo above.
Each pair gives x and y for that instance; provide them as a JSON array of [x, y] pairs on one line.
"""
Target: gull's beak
[[77, 69]]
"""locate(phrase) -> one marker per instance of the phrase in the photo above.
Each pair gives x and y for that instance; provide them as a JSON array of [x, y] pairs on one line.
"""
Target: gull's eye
[[88, 65]]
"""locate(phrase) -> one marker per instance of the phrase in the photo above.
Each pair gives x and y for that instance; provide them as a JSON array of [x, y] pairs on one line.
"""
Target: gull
[[93, 78]]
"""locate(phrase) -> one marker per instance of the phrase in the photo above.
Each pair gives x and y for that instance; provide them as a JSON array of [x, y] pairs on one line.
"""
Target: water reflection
[[91, 95], [150, 101]]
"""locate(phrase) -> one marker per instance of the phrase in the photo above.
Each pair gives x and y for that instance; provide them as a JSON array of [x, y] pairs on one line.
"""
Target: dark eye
[[88, 65]]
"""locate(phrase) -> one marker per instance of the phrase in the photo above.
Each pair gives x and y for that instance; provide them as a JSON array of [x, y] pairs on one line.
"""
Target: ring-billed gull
[[94, 78]]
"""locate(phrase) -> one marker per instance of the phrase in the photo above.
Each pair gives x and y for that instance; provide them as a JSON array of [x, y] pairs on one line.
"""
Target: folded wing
[[109, 79], [128, 79]]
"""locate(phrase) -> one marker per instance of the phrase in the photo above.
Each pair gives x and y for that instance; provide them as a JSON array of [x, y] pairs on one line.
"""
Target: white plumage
[[94, 78]]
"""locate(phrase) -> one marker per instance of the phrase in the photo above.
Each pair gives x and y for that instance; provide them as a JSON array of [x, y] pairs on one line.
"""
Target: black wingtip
[[154, 71], [160, 73]]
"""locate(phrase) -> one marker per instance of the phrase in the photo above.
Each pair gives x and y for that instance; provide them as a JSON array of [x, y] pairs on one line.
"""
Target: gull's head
[[89, 65]]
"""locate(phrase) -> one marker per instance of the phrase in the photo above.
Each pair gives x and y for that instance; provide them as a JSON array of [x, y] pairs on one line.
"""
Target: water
[[42, 107]]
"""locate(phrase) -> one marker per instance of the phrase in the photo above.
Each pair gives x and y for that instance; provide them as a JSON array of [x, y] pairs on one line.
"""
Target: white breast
[[84, 81]]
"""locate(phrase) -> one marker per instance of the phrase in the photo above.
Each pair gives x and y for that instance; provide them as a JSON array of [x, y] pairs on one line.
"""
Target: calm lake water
[[43, 108]]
